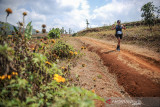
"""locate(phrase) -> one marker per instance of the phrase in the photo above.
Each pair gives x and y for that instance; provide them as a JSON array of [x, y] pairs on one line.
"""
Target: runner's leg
[[118, 45]]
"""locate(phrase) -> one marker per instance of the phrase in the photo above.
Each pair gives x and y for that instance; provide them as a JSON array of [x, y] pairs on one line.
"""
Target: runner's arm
[[113, 27], [124, 27]]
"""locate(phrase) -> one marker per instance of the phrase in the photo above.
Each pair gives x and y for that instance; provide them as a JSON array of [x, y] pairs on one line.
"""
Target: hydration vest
[[118, 29]]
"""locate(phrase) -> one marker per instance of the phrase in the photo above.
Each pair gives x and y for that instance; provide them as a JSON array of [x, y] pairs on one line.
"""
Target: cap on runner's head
[[118, 21]]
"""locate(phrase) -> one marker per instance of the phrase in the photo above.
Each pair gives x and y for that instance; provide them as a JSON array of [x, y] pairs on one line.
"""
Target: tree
[[148, 14], [158, 12], [55, 33], [70, 31], [87, 23], [62, 30]]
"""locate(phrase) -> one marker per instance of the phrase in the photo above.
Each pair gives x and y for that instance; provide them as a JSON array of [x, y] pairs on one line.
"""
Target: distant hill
[[105, 28], [10, 28]]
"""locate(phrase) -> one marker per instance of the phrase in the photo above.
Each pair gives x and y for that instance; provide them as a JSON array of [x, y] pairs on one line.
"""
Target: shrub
[[54, 33], [30, 79], [75, 34], [63, 50], [75, 97]]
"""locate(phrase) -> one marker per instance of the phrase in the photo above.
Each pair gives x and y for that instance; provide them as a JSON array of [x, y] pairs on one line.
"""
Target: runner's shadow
[[109, 52]]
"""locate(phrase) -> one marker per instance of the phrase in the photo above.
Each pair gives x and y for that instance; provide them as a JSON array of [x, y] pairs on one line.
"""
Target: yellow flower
[[58, 78], [55, 78], [9, 76], [24, 13], [82, 47], [3, 77], [93, 91], [9, 10], [62, 67], [56, 75], [63, 79], [9, 36], [71, 52], [53, 41], [75, 53], [14, 73], [94, 79], [32, 48], [48, 63]]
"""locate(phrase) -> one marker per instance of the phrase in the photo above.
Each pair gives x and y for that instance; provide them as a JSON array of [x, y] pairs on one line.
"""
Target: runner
[[119, 33]]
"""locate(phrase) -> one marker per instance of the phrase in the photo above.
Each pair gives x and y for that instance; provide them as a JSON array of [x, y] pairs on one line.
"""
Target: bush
[[29, 78], [75, 97], [63, 50], [75, 34], [54, 33]]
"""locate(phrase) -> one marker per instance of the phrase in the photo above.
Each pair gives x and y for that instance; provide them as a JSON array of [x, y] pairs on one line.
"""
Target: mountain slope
[[10, 28]]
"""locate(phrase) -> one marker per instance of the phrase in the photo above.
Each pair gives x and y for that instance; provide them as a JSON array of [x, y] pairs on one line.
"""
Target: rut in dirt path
[[135, 83]]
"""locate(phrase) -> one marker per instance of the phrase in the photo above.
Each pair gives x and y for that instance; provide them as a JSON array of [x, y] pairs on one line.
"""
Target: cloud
[[72, 13], [54, 13], [125, 10], [111, 12]]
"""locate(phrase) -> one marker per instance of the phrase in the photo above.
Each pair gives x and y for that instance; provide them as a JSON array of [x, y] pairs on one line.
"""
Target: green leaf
[[15, 29], [41, 95], [31, 99], [28, 30], [22, 83]]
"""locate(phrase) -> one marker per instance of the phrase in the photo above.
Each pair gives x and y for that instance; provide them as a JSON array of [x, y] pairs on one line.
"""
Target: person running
[[118, 33]]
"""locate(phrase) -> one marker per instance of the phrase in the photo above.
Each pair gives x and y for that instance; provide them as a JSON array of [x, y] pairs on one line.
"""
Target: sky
[[73, 13]]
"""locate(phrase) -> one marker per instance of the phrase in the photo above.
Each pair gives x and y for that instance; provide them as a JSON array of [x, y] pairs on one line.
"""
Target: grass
[[137, 35]]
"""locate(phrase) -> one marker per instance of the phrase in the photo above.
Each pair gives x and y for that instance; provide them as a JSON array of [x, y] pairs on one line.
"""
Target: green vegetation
[[138, 35], [54, 33], [10, 28], [63, 50], [28, 31], [148, 14], [75, 34], [29, 74]]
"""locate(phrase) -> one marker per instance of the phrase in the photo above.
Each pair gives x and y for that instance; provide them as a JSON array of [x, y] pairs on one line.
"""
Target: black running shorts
[[118, 36]]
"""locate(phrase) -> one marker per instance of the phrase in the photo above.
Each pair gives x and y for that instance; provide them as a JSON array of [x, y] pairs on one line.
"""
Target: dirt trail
[[94, 75], [138, 74]]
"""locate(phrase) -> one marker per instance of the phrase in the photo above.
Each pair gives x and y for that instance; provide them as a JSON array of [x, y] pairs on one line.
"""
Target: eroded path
[[140, 77], [115, 74]]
